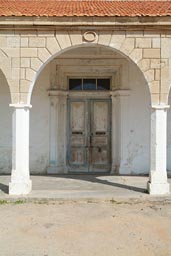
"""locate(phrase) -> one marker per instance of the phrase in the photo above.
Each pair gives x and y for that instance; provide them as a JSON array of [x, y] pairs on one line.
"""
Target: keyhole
[[99, 150]]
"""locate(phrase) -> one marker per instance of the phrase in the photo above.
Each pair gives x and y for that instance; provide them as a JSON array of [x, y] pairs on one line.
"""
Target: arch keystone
[[136, 55], [63, 39], [36, 63], [43, 54], [104, 38], [76, 37], [117, 39], [128, 46], [52, 45]]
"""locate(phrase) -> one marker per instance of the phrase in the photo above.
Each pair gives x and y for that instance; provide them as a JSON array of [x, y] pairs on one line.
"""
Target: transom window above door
[[89, 84]]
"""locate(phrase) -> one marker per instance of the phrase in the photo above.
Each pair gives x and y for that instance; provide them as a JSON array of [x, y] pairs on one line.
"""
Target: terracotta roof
[[59, 8]]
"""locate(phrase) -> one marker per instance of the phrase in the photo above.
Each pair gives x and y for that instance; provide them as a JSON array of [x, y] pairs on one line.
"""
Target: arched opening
[[127, 146], [5, 127]]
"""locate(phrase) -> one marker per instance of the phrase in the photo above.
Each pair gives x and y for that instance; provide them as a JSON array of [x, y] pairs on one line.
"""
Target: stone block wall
[[24, 53]]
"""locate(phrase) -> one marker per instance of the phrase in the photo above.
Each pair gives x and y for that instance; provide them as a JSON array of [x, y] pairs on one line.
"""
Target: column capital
[[21, 106], [160, 107], [120, 93]]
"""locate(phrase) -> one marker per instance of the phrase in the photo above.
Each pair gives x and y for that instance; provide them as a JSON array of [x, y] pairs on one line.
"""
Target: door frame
[[88, 96], [58, 137]]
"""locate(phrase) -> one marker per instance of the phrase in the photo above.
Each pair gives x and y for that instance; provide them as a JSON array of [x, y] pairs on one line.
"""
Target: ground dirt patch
[[85, 228]]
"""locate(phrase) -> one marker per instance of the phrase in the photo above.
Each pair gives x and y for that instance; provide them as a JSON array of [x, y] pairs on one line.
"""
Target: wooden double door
[[89, 134]]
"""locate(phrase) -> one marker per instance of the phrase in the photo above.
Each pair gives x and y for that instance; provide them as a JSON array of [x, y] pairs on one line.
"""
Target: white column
[[20, 177], [158, 184], [120, 127]]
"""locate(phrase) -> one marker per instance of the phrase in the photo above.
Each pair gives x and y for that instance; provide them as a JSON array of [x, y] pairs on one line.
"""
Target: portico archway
[[129, 99], [130, 105]]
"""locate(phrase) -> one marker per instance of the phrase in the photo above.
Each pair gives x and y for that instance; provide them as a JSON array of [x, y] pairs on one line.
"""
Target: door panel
[[99, 120], [77, 136], [89, 135], [100, 135], [99, 157], [77, 110], [77, 156]]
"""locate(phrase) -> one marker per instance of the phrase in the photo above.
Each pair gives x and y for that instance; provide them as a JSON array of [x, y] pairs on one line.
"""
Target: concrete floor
[[69, 187]]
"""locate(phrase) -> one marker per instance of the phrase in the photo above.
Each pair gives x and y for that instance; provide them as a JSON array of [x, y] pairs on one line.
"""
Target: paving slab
[[84, 187]]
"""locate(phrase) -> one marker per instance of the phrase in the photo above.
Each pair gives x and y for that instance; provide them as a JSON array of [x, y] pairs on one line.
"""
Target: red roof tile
[[59, 8]]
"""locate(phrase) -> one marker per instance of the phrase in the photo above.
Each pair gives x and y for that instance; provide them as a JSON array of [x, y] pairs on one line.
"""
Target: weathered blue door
[[89, 133]]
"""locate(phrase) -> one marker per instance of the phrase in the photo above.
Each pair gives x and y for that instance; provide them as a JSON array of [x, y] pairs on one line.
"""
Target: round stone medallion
[[90, 36]]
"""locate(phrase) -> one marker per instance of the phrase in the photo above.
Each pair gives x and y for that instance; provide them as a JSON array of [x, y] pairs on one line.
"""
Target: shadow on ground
[[96, 179], [4, 188]]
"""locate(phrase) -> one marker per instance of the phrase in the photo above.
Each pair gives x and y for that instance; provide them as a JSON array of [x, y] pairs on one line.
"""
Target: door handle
[[99, 150], [91, 146], [90, 140]]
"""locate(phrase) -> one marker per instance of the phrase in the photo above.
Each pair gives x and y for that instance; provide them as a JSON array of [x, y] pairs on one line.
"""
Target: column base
[[158, 188], [20, 188]]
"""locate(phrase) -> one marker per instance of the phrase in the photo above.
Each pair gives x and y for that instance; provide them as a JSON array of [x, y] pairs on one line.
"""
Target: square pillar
[[120, 127], [158, 184], [20, 177], [58, 110]]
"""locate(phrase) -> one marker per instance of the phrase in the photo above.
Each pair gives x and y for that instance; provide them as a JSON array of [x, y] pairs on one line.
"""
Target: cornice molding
[[101, 22]]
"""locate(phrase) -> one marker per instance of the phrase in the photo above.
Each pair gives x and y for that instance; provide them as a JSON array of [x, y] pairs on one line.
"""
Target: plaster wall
[[138, 123], [39, 124]]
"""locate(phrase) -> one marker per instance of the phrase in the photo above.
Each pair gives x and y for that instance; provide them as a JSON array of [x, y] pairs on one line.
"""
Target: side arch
[[5, 126], [6, 72]]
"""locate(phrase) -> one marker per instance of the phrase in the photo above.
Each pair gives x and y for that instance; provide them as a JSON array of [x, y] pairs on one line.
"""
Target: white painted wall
[[39, 124], [137, 143], [5, 127]]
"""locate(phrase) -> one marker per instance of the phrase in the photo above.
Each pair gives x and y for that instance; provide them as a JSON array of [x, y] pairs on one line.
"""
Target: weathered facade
[[48, 69]]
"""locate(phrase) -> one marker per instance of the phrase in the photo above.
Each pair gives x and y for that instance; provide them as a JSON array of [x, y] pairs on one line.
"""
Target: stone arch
[[136, 96], [135, 57], [126, 47], [6, 72]]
